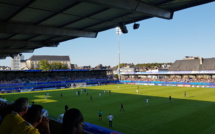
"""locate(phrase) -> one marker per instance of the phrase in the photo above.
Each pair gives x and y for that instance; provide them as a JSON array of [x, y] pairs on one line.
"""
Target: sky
[[191, 32]]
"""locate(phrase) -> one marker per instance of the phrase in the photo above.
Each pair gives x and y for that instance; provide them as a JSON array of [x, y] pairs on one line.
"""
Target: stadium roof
[[26, 25], [201, 64], [49, 57]]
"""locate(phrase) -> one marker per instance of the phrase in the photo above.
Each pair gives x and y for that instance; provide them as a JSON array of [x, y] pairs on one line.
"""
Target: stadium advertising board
[[151, 84], [95, 129], [172, 72], [179, 84]]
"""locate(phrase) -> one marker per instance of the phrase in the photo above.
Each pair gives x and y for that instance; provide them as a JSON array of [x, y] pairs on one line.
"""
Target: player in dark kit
[[91, 97], [66, 107], [122, 107], [170, 99]]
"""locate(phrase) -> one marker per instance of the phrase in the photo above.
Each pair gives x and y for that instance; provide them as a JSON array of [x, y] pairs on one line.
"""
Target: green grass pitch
[[193, 114]]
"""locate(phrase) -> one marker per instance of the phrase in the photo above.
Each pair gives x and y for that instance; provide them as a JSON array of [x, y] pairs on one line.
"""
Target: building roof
[[193, 65], [49, 58], [26, 25]]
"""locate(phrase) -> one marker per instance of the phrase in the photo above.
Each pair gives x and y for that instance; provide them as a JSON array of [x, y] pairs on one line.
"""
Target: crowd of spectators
[[16, 80], [174, 79], [22, 119]]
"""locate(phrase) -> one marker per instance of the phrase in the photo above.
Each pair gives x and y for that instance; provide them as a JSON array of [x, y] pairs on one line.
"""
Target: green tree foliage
[[115, 76], [45, 65], [152, 65], [58, 65], [121, 65], [146, 65]]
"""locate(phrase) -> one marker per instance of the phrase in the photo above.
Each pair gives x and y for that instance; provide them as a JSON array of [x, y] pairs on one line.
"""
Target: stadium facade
[[189, 67]]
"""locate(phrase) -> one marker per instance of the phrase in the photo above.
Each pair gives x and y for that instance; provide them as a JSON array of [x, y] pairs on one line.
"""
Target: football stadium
[[177, 100], [151, 102]]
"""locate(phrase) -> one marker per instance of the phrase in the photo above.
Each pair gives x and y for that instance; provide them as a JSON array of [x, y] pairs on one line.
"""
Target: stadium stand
[[19, 81], [193, 64]]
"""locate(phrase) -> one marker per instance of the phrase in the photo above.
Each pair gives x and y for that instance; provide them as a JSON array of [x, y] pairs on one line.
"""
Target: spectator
[[15, 117], [73, 122], [34, 118]]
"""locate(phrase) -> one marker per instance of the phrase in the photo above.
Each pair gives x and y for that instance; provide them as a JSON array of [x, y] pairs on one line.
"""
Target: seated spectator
[[73, 122], [34, 118], [1, 119], [6, 109], [15, 117]]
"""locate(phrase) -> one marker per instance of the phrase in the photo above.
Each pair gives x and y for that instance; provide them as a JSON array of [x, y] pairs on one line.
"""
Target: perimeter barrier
[[164, 83]]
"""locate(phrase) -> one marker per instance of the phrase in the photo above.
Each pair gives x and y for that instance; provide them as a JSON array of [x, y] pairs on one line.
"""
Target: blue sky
[[191, 32]]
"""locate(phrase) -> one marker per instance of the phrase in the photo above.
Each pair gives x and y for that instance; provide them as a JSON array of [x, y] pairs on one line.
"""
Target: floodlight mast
[[118, 32]]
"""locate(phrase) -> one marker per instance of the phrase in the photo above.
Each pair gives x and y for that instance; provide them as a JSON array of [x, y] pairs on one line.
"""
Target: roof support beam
[[136, 7], [12, 51], [25, 44], [14, 28], [60, 11], [88, 16], [3, 56], [21, 9]]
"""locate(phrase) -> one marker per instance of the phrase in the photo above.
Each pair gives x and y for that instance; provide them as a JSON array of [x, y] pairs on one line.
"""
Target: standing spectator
[[100, 114], [15, 117], [74, 85], [66, 107], [110, 118], [34, 119], [73, 122]]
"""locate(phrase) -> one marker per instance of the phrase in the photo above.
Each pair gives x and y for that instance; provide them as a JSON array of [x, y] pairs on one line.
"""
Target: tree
[[44, 65], [121, 65], [58, 65], [115, 76]]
